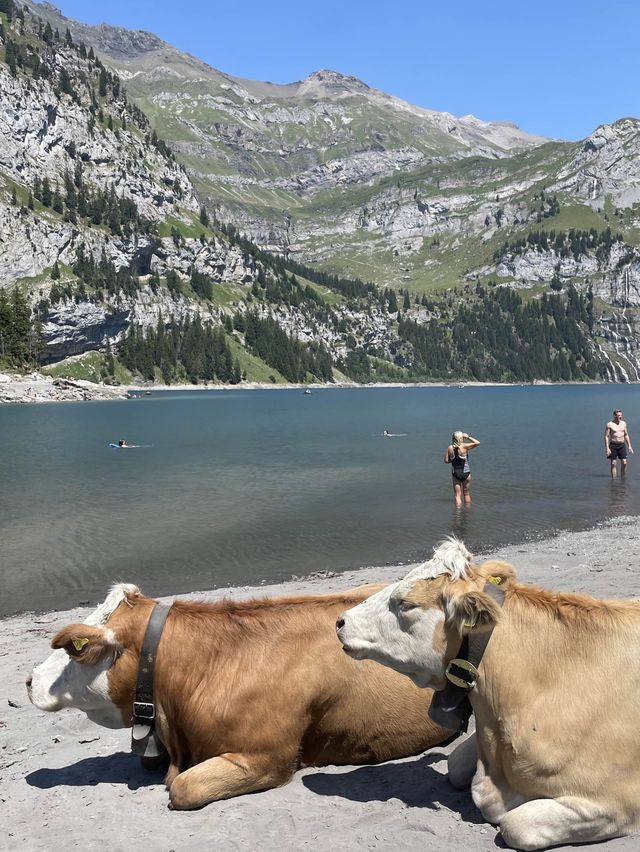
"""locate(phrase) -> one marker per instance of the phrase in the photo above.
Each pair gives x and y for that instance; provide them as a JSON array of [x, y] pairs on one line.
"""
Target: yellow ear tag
[[79, 644], [495, 580], [469, 624]]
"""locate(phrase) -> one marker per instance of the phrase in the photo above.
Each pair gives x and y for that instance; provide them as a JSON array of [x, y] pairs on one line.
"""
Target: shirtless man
[[616, 441]]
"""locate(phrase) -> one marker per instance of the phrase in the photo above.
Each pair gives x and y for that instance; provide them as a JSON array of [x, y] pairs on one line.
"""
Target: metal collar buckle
[[144, 711], [462, 673]]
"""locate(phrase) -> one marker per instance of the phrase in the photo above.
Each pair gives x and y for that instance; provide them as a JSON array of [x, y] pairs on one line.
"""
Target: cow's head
[[80, 672], [415, 626]]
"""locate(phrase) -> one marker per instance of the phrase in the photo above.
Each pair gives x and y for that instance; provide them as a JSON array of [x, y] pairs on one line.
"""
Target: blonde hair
[[457, 439]]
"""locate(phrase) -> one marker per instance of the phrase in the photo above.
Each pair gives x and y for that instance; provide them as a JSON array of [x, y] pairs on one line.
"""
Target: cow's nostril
[[339, 623], [29, 681]]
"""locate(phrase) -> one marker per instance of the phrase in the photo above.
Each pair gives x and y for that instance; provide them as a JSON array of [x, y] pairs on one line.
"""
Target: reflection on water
[[243, 487], [618, 499], [461, 520]]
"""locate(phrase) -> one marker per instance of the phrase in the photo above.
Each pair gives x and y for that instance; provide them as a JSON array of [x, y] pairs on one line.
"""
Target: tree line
[[352, 288], [20, 339], [574, 243], [496, 336], [183, 350], [295, 360]]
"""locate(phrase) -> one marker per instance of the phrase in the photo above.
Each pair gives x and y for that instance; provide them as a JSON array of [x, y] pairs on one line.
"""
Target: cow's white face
[[392, 629], [405, 625], [76, 675]]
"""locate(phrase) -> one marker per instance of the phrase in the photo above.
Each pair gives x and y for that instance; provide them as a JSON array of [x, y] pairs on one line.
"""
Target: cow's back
[[271, 675]]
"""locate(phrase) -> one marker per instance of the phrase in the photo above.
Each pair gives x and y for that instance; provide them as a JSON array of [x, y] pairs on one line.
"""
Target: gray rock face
[[30, 244], [606, 164], [615, 280], [39, 128], [72, 327], [620, 332], [44, 133]]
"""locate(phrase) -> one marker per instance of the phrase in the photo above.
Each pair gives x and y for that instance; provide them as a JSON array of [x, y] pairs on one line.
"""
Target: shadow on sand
[[415, 783], [118, 768]]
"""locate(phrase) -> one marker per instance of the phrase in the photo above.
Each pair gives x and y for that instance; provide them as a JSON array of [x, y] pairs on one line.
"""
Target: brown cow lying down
[[556, 754], [246, 692]]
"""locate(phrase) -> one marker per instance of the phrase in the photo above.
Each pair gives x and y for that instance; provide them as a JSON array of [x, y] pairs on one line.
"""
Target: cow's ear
[[470, 612], [85, 644]]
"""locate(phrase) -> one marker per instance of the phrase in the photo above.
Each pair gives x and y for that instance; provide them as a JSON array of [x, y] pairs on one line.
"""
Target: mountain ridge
[[347, 185], [113, 39]]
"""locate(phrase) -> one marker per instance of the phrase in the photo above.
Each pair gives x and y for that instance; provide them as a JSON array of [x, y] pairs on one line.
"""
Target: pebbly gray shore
[[66, 783]]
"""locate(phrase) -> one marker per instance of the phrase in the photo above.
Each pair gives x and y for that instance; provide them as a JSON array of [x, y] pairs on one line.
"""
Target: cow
[[246, 692], [556, 754]]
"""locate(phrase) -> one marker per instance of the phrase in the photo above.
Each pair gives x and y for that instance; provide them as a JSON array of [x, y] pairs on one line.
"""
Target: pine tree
[[11, 57], [8, 7], [110, 366], [47, 195]]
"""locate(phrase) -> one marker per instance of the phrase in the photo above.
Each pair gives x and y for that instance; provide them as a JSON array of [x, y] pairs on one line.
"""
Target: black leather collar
[[144, 740], [450, 707]]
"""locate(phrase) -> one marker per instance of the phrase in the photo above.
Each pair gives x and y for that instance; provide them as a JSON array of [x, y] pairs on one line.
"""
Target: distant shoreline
[[38, 388]]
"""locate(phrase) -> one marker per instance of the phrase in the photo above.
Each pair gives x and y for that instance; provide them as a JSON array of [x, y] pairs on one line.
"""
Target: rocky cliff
[[326, 171], [91, 146]]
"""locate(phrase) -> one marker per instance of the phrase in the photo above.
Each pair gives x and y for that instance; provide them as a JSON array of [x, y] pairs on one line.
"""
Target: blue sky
[[555, 67]]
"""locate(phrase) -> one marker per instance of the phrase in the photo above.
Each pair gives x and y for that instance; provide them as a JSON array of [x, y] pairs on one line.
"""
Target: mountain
[[197, 226], [284, 161]]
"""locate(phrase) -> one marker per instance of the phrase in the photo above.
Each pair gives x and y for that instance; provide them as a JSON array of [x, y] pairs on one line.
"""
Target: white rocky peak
[[331, 83], [606, 163]]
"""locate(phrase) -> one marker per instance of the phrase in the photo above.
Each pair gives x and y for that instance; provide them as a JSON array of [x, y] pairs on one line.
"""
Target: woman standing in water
[[457, 455]]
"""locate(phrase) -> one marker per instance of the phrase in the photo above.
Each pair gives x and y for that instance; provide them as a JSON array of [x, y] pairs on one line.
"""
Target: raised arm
[[447, 454], [469, 442]]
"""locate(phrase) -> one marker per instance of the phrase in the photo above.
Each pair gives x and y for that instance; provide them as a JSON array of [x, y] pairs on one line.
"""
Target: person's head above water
[[457, 438], [121, 442]]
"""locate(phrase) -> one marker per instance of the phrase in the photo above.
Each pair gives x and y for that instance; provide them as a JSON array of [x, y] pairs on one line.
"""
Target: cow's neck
[[547, 650]]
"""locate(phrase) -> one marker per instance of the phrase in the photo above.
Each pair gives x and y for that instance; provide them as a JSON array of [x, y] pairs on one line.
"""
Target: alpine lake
[[235, 487]]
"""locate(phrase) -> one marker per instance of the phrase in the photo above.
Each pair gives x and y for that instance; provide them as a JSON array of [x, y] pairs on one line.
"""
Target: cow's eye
[[407, 606]]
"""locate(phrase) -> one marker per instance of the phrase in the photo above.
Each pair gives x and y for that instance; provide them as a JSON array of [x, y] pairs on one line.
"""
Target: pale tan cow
[[556, 755], [246, 691]]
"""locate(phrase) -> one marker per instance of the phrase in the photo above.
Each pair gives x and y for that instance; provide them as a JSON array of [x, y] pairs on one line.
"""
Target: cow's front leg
[[462, 763], [226, 776], [549, 822], [172, 774]]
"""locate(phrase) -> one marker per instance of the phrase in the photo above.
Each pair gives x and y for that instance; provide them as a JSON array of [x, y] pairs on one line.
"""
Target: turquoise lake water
[[241, 487]]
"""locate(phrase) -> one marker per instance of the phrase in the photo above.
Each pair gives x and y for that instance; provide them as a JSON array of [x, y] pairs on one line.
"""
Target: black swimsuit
[[460, 469]]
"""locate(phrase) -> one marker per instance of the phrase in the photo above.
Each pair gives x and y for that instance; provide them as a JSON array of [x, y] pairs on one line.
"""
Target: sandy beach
[[66, 783]]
